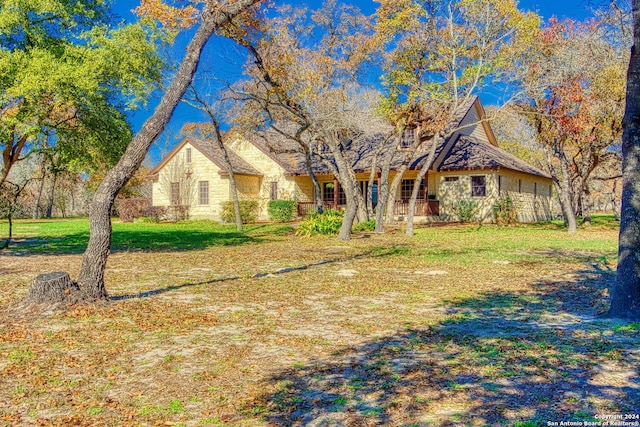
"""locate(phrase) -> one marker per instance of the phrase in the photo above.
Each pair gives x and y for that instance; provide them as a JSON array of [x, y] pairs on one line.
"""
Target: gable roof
[[468, 153], [213, 153]]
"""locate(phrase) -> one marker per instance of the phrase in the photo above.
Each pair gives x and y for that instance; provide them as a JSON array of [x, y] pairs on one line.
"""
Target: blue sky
[[574, 9]]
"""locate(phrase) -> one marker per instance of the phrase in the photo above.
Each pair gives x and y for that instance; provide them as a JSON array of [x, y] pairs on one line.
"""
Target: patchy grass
[[462, 325]]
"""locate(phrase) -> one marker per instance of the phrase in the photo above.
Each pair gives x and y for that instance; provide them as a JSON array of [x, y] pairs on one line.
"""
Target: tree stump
[[51, 288]]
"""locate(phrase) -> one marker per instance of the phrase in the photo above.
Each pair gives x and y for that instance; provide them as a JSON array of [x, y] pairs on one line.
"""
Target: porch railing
[[401, 208], [306, 208], [423, 208]]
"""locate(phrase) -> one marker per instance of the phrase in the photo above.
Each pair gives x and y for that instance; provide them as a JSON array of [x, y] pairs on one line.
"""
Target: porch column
[[335, 193]]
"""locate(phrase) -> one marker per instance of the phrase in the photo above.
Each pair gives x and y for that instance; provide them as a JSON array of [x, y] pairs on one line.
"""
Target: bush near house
[[282, 210], [248, 211], [466, 210], [327, 223], [130, 209], [505, 211]]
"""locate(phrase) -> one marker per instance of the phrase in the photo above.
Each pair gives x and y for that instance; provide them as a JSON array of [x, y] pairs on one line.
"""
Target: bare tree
[[178, 185]]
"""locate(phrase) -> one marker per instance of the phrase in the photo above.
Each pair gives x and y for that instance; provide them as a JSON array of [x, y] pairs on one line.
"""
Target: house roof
[[468, 153], [213, 153]]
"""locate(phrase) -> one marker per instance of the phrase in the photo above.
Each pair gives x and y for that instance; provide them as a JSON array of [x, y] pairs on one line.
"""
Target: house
[[468, 165]]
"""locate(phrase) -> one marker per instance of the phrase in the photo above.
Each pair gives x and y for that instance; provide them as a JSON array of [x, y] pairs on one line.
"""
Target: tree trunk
[[383, 190], [317, 192], [416, 185], [233, 188], [562, 184], [350, 187], [625, 296], [94, 260], [393, 190], [36, 208], [52, 192]]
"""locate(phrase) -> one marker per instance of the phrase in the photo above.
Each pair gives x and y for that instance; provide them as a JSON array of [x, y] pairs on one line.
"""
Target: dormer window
[[408, 137]]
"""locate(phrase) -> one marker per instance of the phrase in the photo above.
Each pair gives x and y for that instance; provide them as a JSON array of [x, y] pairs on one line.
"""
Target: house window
[[407, 188], [342, 198], [450, 178], [274, 191], [478, 186], [188, 155], [175, 193], [203, 192], [408, 137], [328, 192]]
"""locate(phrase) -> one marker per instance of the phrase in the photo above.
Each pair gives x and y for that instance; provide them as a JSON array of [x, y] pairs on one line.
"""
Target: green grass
[[71, 236]]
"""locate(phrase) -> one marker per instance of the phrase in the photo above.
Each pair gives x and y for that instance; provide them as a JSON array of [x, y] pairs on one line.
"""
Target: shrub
[[505, 211], [248, 211], [466, 210], [130, 209], [369, 225], [282, 210], [154, 213], [178, 212], [328, 223]]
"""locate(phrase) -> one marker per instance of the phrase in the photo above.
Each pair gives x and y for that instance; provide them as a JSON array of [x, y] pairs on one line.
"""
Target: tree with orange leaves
[[574, 88]]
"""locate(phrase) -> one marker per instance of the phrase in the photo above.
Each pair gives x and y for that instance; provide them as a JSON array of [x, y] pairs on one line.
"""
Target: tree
[[67, 76], [213, 15], [625, 295], [178, 184], [574, 86], [304, 85], [212, 133], [440, 55]]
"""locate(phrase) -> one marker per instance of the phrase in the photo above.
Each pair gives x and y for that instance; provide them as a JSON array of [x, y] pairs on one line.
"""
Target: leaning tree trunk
[[383, 189], [94, 260], [350, 187], [625, 296], [416, 185]]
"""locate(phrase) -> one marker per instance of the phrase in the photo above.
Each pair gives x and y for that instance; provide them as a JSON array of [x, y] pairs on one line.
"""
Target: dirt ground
[[379, 331]]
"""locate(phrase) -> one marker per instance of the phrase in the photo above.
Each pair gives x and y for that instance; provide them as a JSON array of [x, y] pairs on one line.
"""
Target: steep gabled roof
[[468, 153], [211, 151], [282, 150]]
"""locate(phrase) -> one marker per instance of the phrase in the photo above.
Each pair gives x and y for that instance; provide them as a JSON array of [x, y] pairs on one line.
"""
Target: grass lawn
[[461, 325]]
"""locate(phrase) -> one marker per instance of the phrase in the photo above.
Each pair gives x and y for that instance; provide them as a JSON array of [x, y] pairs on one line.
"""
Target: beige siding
[[529, 194], [532, 206], [202, 169], [272, 172], [449, 193], [304, 189]]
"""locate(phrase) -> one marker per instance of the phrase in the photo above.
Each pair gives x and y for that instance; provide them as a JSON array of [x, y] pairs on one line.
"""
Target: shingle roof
[[468, 153], [214, 153]]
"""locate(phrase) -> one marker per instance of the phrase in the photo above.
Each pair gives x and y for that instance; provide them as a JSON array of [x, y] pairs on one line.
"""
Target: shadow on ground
[[373, 253], [157, 239], [501, 359]]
